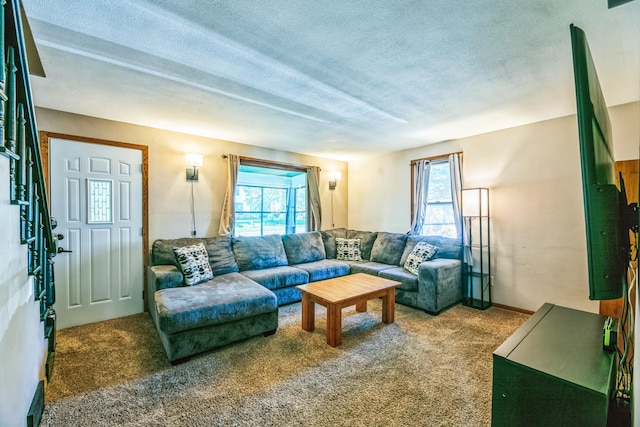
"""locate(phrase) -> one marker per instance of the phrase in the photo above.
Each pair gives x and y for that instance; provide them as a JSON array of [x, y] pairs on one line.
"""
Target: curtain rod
[[251, 161], [435, 158]]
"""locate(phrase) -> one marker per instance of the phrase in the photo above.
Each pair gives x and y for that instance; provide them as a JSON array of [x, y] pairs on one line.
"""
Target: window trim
[[271, 164], [432, 159]]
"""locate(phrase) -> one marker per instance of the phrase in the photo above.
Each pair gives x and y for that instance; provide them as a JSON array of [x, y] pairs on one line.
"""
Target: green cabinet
[[553, 371]]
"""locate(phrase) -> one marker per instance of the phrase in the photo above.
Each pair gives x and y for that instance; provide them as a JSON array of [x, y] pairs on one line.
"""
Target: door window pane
[[100, 201]]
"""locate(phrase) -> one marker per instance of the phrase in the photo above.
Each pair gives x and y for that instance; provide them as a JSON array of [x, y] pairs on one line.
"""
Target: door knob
[[61, 250]]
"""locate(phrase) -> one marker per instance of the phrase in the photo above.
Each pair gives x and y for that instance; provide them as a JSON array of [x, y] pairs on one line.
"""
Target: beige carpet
[[420, 371]]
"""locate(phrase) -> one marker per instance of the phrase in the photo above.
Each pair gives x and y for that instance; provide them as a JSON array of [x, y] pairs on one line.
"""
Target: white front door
[[96, 197]]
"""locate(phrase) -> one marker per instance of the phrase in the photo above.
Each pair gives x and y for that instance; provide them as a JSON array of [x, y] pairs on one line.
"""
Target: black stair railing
[[19, 142]]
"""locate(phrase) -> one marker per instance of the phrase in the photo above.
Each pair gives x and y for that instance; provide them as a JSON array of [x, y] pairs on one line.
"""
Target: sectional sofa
[[253, 276]]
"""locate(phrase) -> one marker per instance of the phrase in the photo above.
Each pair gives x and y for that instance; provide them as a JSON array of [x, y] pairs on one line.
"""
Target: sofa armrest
[[163, 276], [439, 283]]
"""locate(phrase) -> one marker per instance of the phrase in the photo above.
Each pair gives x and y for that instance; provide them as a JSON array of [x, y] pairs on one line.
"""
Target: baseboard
[[37, 406], [508, 307]]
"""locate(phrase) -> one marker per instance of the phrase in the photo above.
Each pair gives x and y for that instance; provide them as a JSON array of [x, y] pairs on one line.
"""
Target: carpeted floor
[[420, 371]]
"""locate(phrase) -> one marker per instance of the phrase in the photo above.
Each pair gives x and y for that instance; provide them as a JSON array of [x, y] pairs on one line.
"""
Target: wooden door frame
[[45, 138]]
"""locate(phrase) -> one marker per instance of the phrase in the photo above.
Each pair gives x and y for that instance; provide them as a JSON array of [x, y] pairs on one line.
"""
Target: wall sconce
[[194, 161], [475, 202], [334, 177]]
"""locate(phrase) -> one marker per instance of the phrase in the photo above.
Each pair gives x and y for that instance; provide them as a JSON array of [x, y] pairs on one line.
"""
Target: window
[[440, 220], [270, 201]]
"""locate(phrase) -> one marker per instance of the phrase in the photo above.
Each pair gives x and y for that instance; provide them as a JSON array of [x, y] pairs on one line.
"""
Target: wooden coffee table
[[336, 294]]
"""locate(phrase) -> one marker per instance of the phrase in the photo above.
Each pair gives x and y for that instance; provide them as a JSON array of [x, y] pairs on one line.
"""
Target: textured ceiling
[[333, 78]]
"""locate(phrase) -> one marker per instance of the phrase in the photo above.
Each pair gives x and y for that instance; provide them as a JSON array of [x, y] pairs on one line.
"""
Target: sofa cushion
[[287, 295], [259, 252], [366, 241], [325, 269], [329, 240], [162, 250], [221, 256], [447, 247], [303, 247], [409, 281], [224, 299], [388, 248], [423, 251], [194, 263], [348, 249], [278, 277], [369, 267]]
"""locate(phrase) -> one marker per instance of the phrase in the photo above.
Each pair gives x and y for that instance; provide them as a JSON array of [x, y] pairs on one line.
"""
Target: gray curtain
[[455, 172], [227, 220], [420, 192], [291, 211], [313, 179], [463, 229], [463, 225]]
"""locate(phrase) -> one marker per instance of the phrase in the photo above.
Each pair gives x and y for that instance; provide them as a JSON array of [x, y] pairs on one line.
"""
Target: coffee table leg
[[361, 306], [388, 306], [308, 313], [334, 325]]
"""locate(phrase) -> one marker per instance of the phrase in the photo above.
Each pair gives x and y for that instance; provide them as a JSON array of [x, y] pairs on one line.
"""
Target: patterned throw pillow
[[348, 249], [194, 263], [422, 252]]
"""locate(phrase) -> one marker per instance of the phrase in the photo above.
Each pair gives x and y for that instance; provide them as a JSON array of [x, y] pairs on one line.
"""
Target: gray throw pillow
[[162, 249], [259, 252], [388, 248], [447, 246], [221, 256], [303, 247], [329, 240], [366, 241]]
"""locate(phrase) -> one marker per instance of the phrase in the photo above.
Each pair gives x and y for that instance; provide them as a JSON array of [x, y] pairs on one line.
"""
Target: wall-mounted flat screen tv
[[605, 205]]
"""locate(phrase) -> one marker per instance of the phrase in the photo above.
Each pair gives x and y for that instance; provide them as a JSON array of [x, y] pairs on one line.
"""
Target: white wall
[[533, 172], [169, 213], [22, 343]]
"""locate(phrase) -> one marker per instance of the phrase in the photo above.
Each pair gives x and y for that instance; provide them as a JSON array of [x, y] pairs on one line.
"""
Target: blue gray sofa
[[253, 276]]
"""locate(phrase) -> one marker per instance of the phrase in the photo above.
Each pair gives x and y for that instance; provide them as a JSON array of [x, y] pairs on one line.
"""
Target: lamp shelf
[[478, 274], [476, 287], [475, 246], [476, 303]]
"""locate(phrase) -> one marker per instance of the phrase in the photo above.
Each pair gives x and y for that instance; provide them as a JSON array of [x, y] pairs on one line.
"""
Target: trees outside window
[[440, 219], [270, 201]]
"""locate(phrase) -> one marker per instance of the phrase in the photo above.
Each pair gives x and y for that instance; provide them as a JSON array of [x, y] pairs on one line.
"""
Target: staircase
[[27, 188]]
